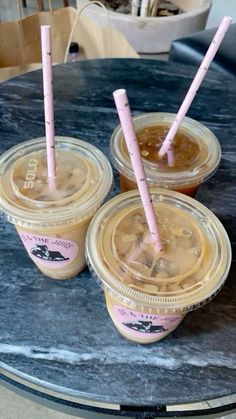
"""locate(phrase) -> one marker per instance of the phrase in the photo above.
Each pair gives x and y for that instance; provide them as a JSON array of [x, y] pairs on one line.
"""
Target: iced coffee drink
[[196, 154], [149, 293], [52, 220]]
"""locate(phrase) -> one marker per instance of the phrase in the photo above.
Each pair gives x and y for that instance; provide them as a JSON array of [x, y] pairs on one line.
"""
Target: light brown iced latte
[[52, 221], [149, 293]]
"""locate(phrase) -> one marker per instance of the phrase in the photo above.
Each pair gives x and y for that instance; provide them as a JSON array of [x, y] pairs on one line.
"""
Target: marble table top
[[56, 336]]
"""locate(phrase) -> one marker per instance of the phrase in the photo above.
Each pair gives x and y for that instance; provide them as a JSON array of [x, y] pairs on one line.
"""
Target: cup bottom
[[62, 276], [138, 326]]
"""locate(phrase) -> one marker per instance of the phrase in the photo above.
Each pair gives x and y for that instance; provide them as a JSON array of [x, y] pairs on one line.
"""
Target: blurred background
[[9, 9]]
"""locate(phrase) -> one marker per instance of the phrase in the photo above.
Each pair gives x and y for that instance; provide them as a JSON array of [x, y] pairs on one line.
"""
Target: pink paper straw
[[211, 52], [46, 45], [123, 109]]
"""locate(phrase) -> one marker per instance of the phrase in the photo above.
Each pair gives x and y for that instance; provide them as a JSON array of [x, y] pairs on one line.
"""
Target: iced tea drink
[[148, 293], [52, 222], [196, 149]]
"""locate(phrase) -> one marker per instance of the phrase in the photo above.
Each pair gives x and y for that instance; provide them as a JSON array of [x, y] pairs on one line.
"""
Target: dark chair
[[191, 50]]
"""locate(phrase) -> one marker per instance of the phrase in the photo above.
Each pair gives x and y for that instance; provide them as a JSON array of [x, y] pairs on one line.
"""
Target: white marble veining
[[59, 332]]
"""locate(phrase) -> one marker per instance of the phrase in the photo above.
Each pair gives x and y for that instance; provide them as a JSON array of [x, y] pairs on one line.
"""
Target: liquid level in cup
[[129, 185], [52, 220], [187, 151], [196, 154], [185, 148], [181, 266], [58, 251], [149, 293]]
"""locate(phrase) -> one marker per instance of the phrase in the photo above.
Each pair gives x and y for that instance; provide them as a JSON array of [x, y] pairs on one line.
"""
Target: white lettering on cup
[[31, 174]]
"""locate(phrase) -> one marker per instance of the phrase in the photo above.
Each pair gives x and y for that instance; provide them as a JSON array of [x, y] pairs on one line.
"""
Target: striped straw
[[46, 45], [211, 52], [123, 109]]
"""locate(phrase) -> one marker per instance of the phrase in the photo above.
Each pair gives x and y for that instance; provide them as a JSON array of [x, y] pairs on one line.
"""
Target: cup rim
[[133, 298], [173, 179], [27, 217]]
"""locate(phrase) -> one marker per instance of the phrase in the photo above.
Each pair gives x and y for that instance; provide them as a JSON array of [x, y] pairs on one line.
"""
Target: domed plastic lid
[[189, 272], [197, 151], [83, 180]]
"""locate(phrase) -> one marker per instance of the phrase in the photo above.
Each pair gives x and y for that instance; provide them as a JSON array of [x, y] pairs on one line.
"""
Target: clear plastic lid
[[83, 181], [188, 273], [197, 151]]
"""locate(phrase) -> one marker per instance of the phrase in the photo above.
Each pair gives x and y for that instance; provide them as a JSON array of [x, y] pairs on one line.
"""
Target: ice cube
[[164, 265], [124, 244], [126, 238], [189, 282], [162, 275], [184, 243], [147, 239], [168, 266], [150, 288], [196, 251], [174, 287], [141, 269], [138, 226], [163, 288], [181, 232]]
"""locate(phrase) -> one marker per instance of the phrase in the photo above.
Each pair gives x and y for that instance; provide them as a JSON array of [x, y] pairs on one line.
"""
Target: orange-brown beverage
[[196, 154]]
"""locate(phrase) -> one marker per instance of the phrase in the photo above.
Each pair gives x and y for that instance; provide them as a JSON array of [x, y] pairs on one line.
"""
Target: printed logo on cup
[[145, 325], [52, 252]]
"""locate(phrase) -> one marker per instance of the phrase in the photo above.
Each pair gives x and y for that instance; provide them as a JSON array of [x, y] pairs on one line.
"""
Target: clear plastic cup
[[52, 222], [196, 149], [148, 293]]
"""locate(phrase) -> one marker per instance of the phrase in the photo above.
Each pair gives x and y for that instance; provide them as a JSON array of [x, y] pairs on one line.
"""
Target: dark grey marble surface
[[59, 334]]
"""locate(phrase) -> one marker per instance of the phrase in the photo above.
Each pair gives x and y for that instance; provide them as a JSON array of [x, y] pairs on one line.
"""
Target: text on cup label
[[31, 173]]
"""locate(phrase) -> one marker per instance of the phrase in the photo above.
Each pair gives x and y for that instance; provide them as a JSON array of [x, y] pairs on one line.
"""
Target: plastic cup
[[148, 293], [196, 149], [52, 222]]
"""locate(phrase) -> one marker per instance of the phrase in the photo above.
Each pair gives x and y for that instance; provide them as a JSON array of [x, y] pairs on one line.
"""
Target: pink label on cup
[[52, 252], [145, 325]]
